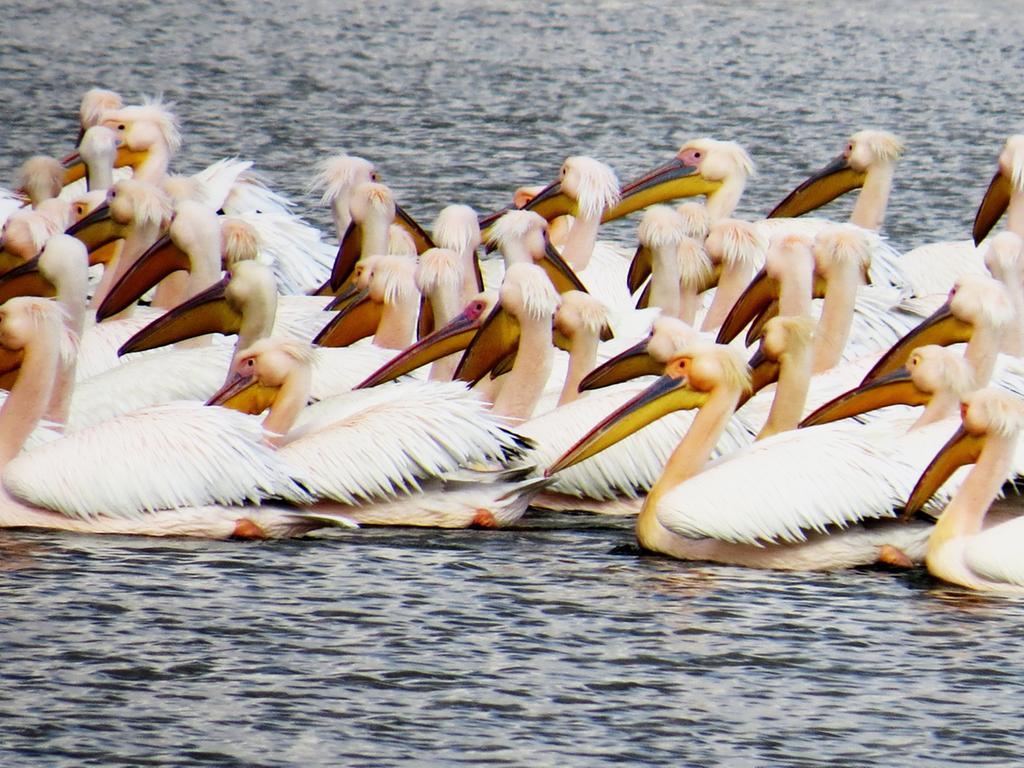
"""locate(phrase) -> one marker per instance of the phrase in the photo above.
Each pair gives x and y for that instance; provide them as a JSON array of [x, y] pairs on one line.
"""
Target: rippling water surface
[[553, 644]]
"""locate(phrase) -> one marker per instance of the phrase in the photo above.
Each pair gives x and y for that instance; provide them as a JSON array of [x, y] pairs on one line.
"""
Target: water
[[552, 644]]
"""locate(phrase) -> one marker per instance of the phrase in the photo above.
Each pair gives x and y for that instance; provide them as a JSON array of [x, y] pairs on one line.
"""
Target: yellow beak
[[206, 312], [625, 366], [454, 337], [25, 280], [161, 259], [245, 394], [670, 181], [993, 205], [895, 388], [962, 448], [497, 338], [356, 321], [835, 179], [664, 396], [941, 328]]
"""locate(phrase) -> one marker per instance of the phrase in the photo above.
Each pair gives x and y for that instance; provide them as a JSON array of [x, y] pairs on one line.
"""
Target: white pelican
[[419, 453], [186, 461], [962, 549]]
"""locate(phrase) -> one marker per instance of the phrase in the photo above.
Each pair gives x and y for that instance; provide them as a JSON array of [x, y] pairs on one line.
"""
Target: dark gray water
[[544, 645]]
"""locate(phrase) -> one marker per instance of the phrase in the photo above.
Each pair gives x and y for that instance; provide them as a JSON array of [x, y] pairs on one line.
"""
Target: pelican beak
[[25, 280], [425, 319], [497, 338], [345, 297], [941, 328], [206, 312], [551, 202], [419, 235], [10, 366], [9, 261], [668, 182], [349, 251], [96, 229], [244, 393], [625, 366], [161, 259], [454, 337], [664, 396], [754, 300], [561, 275], [763, 371], [993, 205], [962, 448], [835, 179], [640, 268], [895, 388], [356, 321], [74, 167]]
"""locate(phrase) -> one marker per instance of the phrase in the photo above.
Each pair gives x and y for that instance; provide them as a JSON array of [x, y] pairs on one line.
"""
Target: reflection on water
[[554, 643]]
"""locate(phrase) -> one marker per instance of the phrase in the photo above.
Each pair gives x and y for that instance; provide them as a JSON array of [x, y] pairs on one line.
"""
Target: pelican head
[[975, 301], [986, 414], [61, 269], [95, 102], [457, 227], [244, 302], [142, 132], [526, 298], [259, 372], [24, 234], [930, 370], [701, 167], [591, 183], [581, 315], [865, 151], [139, 128], [668, 336], [129, 204], [385, 281], [687, 383], [782, 337], [522, 236], [41, 178], [336, 176], [453, 337], [194, 233]]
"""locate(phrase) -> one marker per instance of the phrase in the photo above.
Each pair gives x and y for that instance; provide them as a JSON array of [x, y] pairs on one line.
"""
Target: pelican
[[71, 483], [962, 548], [423, 454]]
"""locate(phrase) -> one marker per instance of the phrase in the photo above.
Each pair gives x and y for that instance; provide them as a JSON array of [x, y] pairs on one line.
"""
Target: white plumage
[[178, 455]]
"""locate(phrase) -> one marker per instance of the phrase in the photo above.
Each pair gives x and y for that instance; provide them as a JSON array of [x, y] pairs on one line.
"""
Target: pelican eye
[[121, 127]]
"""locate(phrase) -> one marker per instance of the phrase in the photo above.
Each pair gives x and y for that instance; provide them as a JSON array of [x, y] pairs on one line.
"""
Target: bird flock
[[185, 356]]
